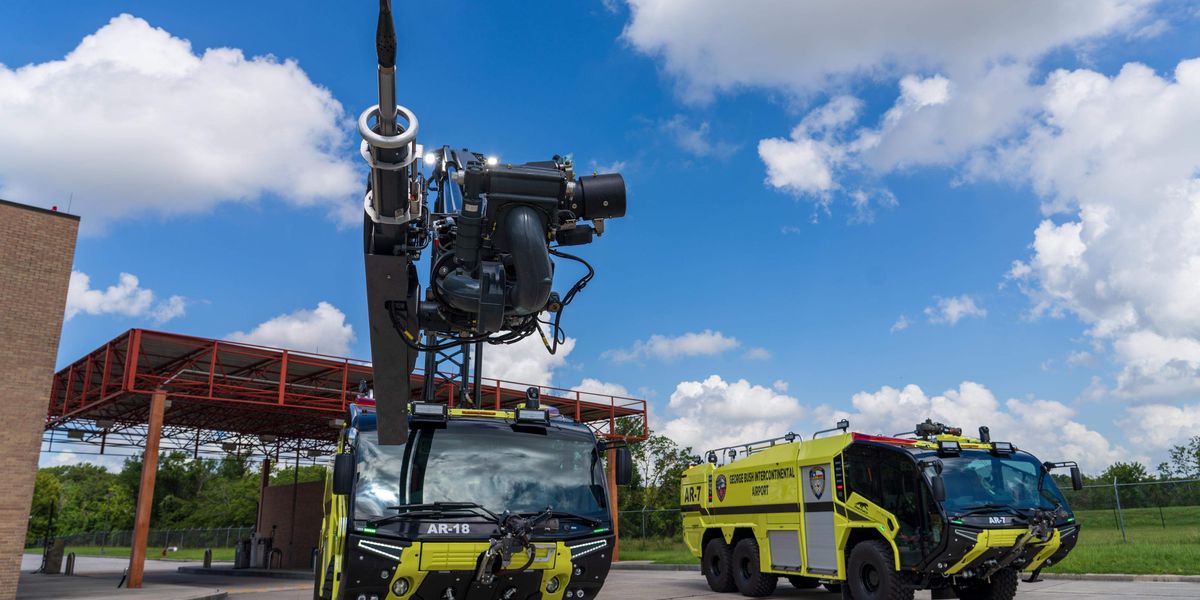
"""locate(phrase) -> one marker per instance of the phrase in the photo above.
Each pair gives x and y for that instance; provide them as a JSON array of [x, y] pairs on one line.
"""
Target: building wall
[[37, 248], [277, 513]]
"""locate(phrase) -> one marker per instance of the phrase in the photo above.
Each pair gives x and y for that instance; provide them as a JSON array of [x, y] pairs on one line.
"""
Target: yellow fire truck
[[876, 517], [477, 505]]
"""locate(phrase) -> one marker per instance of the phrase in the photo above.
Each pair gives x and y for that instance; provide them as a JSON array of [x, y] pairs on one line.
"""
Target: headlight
[[400, 586]]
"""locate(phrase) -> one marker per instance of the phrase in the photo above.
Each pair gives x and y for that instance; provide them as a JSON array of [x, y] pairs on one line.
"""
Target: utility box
[[54, 557]]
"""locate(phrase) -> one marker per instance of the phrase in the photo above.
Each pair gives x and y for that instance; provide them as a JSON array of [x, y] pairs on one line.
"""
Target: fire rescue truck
[[478, 504], [876, 517]]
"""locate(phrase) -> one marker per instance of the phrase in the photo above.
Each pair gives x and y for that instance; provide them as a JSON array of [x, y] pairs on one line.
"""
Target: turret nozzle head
[[385, 36]]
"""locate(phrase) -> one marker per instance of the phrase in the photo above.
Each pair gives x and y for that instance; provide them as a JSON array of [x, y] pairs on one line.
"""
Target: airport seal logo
[[721, 488], [816, 481]]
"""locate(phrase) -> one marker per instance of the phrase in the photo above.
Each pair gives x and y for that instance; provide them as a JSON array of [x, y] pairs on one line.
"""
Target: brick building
[[37, 248]]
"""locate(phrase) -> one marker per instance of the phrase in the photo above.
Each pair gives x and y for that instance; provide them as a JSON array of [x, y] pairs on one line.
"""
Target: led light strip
[[377, 549], [580, 550]]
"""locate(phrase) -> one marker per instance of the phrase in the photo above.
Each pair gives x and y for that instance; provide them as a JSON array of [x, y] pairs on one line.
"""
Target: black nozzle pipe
[[385, 36], [532, 270], [600, 196]]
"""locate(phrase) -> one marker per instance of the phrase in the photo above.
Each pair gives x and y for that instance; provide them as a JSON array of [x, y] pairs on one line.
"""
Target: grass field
[[219, 554], [1151, 549]]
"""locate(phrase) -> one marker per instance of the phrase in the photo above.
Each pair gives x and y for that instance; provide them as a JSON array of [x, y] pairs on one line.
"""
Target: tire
[[871, 573], [747, 571], [717, 564], [803, 583], [833, 588], [1002, 586]]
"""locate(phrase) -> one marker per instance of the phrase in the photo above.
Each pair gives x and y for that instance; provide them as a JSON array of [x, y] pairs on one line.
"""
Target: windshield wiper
[[435, 510], [552, 514], [982, 508]]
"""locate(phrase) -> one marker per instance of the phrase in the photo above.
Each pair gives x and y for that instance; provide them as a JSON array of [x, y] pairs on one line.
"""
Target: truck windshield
[[979, 479], [498, 467]]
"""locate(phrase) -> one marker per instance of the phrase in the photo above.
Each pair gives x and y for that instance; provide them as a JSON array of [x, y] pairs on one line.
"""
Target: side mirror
[[1076, 479], [939, 489], [624, 465], [343, 474]]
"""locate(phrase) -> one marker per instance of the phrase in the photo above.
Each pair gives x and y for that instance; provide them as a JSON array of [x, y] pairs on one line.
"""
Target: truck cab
[[478, 504], [877, 516]]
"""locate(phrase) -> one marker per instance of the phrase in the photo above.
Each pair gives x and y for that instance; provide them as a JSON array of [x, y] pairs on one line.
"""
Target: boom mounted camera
[[493, 229]]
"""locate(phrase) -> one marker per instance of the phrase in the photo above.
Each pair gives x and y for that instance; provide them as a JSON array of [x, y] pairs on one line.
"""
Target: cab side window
[[862, 473], [889, 479]]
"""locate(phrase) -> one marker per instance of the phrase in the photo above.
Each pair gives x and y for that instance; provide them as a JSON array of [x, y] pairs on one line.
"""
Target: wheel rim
[[714, 566], [870, 578], [745, 566]]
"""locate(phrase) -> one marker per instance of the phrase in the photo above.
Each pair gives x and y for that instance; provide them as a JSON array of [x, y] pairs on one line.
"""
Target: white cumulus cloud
[[126, 298], [694, 139], [600, 388], [1046, 428], [714, 412], [703, 343], [322, 330], [158, 128], [963, 73], [950, 311], [1119, 157], [712, 46], [1161, 426], [526, 362]]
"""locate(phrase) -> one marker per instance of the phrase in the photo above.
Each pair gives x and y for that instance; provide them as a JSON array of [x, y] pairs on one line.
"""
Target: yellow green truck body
[[420, 518], [862, 515]]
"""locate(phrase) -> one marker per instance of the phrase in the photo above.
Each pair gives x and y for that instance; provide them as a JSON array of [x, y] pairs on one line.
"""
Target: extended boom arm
[[491, 227]]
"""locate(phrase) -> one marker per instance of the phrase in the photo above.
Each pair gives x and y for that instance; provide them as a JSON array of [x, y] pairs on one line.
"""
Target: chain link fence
[[651, 523], [216, 537], [1137, 508]]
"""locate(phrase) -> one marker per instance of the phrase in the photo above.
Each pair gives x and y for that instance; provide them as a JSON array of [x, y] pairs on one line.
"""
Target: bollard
[[208, 558], [70, 570]]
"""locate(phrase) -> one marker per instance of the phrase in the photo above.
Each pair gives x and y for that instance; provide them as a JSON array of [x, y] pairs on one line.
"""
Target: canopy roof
[[217, 388]]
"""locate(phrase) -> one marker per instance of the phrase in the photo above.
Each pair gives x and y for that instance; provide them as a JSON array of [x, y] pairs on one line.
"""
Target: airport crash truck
[[876, 517], [477, 505]]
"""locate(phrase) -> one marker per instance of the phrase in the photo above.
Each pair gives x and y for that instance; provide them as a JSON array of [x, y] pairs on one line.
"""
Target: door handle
[[861, 505]]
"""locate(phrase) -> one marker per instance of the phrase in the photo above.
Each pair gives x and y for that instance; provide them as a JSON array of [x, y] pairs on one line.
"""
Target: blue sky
[[960, 142]]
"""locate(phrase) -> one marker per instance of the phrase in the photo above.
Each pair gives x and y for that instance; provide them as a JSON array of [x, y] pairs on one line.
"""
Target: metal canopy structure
[[254, 396], [152, 389]]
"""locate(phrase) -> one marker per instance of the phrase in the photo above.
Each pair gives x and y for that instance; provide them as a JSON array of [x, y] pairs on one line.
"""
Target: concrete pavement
[[97, 578], [670, 585]]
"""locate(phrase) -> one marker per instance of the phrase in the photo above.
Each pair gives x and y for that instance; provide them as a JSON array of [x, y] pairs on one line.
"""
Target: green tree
[[115, 510], [658, 465], [1184, 461], [286, 475], [227, 501], [1125, 473], [47, 494]]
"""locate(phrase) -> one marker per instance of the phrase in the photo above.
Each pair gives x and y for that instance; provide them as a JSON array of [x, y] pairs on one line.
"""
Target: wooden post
[[612, 502], [145, 501]]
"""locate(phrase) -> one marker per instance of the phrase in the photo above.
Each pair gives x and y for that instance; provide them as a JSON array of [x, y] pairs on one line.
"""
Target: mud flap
[[392, 307]]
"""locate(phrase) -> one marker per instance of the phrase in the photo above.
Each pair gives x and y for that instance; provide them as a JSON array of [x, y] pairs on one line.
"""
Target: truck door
[[820, 543]]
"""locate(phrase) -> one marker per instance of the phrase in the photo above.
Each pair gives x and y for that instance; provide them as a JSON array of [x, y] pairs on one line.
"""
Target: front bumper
[[570, 570], [972, 552]]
